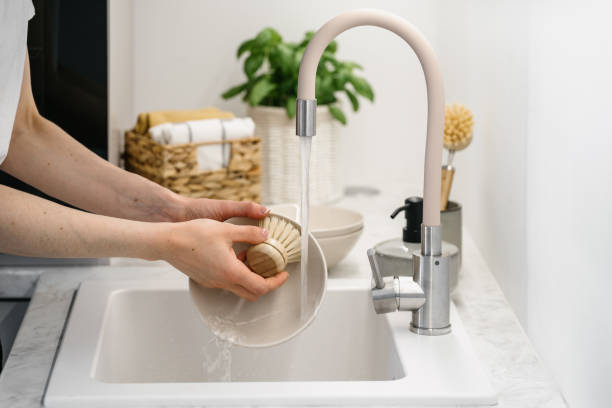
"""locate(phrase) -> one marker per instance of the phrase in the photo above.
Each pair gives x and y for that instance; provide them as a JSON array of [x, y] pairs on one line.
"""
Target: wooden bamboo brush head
[[282, 247], [458, 127]]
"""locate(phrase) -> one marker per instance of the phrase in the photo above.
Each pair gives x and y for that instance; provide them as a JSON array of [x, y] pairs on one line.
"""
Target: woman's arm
[[44, 156], [32, 226]]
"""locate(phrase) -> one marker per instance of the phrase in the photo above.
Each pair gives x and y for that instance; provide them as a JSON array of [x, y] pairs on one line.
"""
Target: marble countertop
[[516, 371]]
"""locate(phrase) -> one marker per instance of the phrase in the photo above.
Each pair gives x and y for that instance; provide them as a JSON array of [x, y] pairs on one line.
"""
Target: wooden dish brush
[[282, 247], [458, 133]]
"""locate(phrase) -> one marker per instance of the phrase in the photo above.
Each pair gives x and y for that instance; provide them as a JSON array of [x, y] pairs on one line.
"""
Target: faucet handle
[[393, 293], [379, 283]]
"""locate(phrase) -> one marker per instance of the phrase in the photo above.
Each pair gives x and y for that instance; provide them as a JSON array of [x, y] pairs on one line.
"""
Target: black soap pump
[[395, 255], [413, 210]]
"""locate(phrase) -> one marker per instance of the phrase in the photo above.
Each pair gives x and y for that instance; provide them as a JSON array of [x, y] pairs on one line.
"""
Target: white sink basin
[[142, 342]]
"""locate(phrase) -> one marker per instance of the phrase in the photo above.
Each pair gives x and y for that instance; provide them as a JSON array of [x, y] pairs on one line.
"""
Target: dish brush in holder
[[458, 133], [281, 248]]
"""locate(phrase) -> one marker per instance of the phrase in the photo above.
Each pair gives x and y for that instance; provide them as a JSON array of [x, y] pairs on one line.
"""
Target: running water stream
[[305, 146]]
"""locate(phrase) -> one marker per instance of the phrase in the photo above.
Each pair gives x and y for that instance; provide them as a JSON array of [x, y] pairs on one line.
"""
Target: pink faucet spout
[[433, 79]]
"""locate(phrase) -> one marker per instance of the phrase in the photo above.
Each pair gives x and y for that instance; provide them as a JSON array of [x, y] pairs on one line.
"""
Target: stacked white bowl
[[336, 229]]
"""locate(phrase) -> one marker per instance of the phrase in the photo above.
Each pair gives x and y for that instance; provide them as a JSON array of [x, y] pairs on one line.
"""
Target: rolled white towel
[[158, 132], [210, 157], [178, 133], [171, 133], [238, 128], [207, 130], [213, 156]]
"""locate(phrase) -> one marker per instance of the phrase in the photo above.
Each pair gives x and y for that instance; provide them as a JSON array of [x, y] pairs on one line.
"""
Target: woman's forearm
[[43, 155], [32, 226]]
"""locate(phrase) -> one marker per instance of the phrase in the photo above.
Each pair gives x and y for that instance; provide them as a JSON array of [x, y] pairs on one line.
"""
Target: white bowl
[[275, 317], [337, 248], [325, 221], [336, 229]]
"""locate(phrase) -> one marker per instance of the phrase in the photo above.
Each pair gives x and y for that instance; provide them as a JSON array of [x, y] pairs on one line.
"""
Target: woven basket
[[176, 167], [281, 165]]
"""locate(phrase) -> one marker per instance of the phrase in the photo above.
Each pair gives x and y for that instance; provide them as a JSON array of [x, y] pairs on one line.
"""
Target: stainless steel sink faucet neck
[[428, 294]]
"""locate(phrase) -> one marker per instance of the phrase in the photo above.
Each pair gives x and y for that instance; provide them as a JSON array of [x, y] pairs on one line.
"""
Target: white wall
[[569, 192], [537, 183], [482, 47]]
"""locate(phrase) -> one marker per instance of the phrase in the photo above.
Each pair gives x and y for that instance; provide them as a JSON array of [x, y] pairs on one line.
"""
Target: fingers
[[248, 233], [243, 293], [276, 281], [254, 283], [229, 209], [248, 279]]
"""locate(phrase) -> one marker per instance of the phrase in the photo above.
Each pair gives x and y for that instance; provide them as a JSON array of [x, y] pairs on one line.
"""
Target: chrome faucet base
[[426, 294], [430, 332], [432, 273]]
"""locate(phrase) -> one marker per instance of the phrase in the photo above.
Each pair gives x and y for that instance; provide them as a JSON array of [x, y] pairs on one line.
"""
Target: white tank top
[[14, 17]]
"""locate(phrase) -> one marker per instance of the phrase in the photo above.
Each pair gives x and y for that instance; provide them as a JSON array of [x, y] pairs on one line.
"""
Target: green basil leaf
[[268, 37], [353, 99], [291, 107], [362, 87], [281, 58], [307, 37], [244, 47], [332, 47], [337, 114], [252, 64], [230, 93], [261, 89], [351, 65]]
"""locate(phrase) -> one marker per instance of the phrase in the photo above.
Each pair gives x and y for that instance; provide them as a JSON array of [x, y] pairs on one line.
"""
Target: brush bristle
[[458, 127], [285, 233]]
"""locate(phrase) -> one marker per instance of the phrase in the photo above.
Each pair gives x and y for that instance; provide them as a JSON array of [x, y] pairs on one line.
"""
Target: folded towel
[[238, 128], [212, 156], [207, 130], [171, 133], [148, 120]]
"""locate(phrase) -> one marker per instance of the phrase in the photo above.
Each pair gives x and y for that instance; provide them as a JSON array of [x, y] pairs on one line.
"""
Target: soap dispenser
[[394, 256]]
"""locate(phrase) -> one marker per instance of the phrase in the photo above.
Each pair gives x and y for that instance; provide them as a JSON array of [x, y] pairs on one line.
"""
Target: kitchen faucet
[[427, 293]]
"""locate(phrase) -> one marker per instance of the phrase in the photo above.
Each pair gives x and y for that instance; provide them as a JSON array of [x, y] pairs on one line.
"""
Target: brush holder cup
[[275, 317]]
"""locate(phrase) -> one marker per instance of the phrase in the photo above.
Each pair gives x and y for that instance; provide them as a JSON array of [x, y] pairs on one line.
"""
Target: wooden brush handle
[[268, 258], [447, 181]]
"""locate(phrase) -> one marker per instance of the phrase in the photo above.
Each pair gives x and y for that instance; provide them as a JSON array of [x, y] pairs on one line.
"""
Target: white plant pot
[[280, 161]]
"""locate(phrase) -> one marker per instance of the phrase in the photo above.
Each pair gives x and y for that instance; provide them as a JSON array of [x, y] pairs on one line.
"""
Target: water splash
[[217, 360], [217, 353], [305, 147]]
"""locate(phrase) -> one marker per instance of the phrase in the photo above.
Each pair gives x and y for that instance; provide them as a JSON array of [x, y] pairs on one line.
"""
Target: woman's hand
[[202, 249], [219, 210]]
